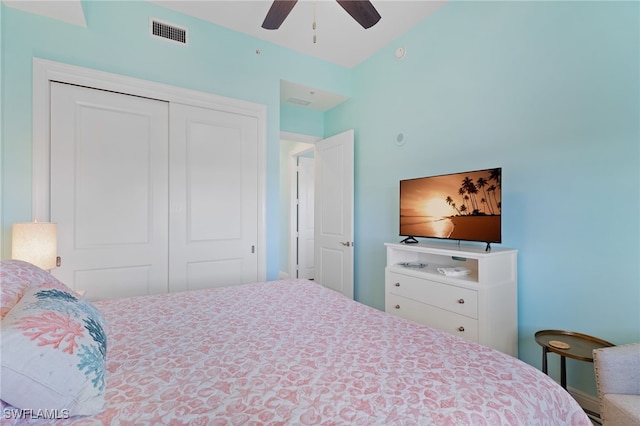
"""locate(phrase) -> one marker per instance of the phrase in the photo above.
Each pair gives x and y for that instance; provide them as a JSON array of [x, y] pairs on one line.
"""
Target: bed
[[280, 352]]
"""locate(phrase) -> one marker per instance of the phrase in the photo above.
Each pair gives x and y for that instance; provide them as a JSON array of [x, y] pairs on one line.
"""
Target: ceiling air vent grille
[[169, 31], [298, 101]]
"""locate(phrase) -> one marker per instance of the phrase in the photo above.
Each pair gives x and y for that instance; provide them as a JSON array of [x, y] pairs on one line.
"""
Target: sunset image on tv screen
[[461, 206]]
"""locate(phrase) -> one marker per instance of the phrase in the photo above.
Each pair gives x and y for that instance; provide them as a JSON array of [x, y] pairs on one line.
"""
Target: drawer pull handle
[[397, 306], [397, 284], [461, 328], [461, 301]]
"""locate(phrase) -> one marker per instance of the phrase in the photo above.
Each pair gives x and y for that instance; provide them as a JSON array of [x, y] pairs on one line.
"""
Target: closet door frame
[[45, 71]]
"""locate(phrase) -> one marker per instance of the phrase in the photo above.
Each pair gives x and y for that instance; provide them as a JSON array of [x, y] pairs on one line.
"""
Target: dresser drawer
[[448, 297], [458, 325]]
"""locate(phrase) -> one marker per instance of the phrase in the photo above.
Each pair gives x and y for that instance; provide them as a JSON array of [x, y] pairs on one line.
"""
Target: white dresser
[[480, 304]]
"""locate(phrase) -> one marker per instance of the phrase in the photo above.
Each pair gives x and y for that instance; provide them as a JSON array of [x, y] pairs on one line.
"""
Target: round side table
[[568, 344]]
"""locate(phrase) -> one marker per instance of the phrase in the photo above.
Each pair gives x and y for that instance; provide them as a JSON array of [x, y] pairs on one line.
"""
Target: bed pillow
[[10, 295], [54, 353], [16, 276]]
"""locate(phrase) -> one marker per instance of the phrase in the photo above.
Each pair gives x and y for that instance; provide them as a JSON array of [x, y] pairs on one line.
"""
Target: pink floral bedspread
[[293, 352]]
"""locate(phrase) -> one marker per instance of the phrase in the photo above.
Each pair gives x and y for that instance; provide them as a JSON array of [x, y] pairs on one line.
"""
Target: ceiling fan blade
[[362, 11], [278, 12]]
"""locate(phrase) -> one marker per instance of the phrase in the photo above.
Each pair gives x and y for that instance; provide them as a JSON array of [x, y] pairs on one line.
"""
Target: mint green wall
[[117, 40], [550, 92], [302, 121], [2, 118]]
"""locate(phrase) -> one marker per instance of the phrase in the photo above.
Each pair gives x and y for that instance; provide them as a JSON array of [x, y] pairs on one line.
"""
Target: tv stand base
[[409, 240]]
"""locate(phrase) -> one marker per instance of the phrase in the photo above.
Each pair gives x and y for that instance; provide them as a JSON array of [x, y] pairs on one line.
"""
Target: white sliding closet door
[[109, 191], [213, 198]]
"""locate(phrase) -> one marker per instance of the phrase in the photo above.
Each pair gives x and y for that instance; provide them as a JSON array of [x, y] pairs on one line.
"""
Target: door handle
[[346, 243]]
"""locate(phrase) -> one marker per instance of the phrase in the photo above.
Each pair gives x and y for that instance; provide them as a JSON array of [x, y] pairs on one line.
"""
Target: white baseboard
[[283, 275], [586, 401]]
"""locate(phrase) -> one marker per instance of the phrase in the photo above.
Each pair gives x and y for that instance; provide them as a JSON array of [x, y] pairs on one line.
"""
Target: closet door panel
[[214, 155], [213, 198], [109, 186]]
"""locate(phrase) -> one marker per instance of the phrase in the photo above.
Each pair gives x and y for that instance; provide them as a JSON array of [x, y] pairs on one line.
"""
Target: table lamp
[[36, 243]]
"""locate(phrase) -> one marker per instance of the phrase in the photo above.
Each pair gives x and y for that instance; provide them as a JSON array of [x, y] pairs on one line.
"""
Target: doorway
[[302, 213], [320, 238], [293, 147]]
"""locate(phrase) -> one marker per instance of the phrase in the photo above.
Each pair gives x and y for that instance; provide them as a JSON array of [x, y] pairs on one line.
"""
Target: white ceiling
[[68, 11], [339, 39]]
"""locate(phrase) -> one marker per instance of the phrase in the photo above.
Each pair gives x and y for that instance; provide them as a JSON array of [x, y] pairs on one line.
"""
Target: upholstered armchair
[[617, 370]]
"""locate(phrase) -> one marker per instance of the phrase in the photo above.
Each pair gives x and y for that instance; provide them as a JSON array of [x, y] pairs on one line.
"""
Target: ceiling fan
[[361, 10]]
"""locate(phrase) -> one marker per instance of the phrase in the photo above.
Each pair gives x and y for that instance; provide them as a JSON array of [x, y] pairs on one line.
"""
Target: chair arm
[[617, 369]]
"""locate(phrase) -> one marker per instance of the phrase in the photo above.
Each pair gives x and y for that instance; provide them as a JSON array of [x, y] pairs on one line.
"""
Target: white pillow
[[10, 295], [54, 351]]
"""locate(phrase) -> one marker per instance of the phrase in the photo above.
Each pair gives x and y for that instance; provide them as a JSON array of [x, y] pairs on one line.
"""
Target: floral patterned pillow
[[16, 276], [54, 351]]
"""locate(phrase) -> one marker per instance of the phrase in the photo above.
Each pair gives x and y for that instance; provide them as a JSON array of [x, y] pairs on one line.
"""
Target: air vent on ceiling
[[169, 31], [298, 101]]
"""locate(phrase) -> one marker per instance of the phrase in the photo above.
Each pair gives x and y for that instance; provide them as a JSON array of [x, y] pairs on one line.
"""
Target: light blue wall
[[2, 119], [302, 121], [117, 40], [550, 92]]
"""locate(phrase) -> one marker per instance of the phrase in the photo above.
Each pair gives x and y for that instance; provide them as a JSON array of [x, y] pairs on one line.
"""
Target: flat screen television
[[462, 206]]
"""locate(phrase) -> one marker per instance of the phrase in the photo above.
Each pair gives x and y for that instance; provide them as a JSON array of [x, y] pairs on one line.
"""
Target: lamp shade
[[36, 243]]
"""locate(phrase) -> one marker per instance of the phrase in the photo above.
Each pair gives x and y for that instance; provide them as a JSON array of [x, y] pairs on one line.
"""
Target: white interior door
[[213, 198], [306, 234], [109, 182], [334, 163]]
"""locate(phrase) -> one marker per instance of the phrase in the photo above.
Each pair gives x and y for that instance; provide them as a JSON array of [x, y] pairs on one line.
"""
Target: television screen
[[460, 206]]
